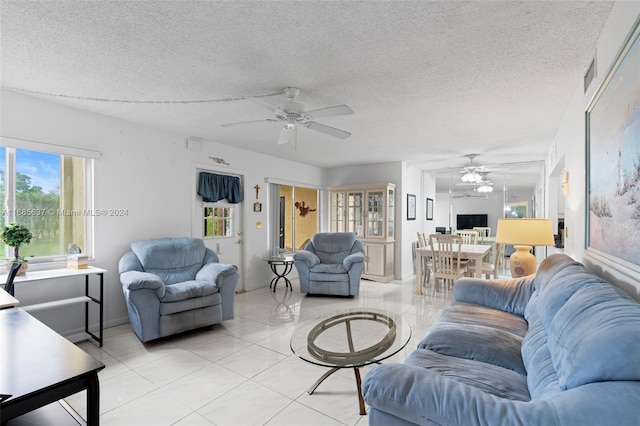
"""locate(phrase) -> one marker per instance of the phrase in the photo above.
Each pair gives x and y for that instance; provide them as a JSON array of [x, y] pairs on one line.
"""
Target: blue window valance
[[214, 188]]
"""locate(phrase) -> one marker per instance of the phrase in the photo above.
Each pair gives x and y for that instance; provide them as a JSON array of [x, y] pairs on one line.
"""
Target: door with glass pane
[[219, 224]]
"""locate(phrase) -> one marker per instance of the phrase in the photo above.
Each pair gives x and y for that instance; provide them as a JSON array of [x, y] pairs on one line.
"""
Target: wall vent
[[590, 74]]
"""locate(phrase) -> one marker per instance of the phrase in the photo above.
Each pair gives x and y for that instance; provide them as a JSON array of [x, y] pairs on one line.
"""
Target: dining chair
[[468, 236], [445, 255], [426, 260], [8, 286], [493, 268], [483, 233]]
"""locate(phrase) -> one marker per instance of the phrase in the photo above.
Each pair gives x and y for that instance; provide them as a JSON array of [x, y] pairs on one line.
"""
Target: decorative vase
[[23, 268]]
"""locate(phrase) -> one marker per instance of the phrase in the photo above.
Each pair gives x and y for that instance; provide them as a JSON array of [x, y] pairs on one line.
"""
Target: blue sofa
[[331, 264], [561, 347], [173, 285]]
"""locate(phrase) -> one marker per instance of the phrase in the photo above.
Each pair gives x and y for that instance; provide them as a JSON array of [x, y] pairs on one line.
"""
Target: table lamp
[[523, 234]]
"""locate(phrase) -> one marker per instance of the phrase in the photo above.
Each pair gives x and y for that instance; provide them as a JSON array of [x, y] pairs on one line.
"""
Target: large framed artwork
[[613, 162]]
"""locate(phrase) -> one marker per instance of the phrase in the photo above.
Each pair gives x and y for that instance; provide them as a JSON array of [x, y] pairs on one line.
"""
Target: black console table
[[40, 367]]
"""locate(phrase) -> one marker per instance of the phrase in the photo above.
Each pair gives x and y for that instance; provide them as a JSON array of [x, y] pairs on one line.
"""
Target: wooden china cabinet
[[369, 212]]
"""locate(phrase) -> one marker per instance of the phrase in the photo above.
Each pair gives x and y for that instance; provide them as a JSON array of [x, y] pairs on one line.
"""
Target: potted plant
[[15, 235]]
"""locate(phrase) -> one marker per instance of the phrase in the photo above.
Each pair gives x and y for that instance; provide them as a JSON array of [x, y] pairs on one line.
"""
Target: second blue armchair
[[331, 263]]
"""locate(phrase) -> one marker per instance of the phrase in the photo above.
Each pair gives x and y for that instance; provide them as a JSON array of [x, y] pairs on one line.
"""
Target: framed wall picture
[[411, 207], [257, 207], [429, 209], [613, 163]]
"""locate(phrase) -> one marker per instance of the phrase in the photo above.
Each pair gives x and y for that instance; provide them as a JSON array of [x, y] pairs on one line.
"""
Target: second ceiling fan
[[294, 114]]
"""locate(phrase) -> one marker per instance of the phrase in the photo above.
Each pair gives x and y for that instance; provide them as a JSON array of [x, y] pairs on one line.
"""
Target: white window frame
[[219, 205], [11, 145]]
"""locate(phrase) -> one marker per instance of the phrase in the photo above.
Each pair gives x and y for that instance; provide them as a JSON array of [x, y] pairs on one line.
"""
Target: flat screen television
[[468, 221]]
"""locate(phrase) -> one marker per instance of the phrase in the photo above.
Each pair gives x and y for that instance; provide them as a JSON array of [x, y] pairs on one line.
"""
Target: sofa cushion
[[188, 290], [495, 380], [329, 268], [595, 336], [473, 314], [475, 342]]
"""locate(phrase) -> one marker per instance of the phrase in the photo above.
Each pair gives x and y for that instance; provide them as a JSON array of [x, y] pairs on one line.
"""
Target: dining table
[[475, 252]]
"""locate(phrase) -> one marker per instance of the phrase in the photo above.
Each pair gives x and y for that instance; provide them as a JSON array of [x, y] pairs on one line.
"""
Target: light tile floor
[[242, 372]]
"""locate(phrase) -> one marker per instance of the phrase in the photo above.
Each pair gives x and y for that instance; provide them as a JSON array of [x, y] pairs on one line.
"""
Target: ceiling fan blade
[[285, 135], [329, 111], [328, 130], [242, 123]]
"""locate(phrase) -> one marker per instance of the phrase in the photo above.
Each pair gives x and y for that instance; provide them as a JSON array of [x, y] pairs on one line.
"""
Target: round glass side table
[[281, 266]]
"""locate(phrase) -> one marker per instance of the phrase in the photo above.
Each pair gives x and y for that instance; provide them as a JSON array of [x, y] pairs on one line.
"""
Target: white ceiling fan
[[471, 171], [294, 114], [482, 185]]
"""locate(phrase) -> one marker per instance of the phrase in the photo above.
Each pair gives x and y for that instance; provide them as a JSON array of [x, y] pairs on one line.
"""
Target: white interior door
[[219, 224]]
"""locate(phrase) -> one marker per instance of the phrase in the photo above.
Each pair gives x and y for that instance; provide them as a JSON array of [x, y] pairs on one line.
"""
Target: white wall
[[412, 183], [147, 171], [570, 142]]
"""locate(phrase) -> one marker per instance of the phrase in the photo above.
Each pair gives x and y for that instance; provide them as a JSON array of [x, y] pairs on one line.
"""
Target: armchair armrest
[[307, 257], [216, 272], [508, 295], [351, 259], [136, 280]]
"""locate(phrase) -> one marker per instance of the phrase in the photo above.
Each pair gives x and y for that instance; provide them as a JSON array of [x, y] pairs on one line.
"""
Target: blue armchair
[[331, 263], [173, 285]]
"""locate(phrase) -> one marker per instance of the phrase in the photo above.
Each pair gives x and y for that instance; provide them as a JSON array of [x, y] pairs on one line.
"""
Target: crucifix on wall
[[257, 206]]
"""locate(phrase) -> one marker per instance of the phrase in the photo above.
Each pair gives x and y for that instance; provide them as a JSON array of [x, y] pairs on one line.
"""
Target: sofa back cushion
[[595, 336], [333, 247], [582, 329], [556, 293], [549, 267], [542, 379], [173, 260]]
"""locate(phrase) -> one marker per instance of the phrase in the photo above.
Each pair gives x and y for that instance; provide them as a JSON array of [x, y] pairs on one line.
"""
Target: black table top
[[33, 357]]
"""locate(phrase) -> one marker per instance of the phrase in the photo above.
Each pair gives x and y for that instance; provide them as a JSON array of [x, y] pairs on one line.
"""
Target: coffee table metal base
[[356, 370]]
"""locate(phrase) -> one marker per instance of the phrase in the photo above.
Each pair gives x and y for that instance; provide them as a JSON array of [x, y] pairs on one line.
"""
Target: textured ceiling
[[429, 81]]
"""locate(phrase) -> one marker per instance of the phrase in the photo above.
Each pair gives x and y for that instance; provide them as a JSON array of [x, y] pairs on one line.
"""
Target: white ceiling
[[429, 81]]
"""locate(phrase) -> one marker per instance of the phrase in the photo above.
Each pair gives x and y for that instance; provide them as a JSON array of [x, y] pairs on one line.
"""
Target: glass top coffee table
[[350, 338]]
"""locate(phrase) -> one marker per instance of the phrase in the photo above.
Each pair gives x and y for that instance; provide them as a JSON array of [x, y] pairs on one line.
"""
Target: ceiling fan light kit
[[485, 187], [471, 177], [293, 114]]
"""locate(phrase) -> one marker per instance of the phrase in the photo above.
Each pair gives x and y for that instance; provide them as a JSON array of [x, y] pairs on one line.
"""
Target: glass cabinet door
[[337, 211], [355, 213], [390, 211], [375, 213]]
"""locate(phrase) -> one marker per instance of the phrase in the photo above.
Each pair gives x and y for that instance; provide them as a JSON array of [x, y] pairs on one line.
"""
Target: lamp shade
[[524, 233], [530, 232]]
